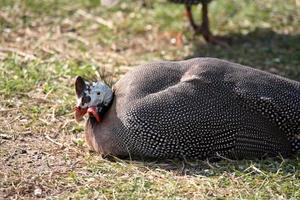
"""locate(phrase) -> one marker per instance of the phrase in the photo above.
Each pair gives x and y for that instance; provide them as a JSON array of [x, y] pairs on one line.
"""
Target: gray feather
[[203, 107]]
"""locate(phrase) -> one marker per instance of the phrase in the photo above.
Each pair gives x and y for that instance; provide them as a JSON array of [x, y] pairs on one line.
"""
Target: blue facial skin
[[96, 94]]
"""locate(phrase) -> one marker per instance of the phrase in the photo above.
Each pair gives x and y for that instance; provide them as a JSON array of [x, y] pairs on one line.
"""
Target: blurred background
[[44, 44], [262, 34]]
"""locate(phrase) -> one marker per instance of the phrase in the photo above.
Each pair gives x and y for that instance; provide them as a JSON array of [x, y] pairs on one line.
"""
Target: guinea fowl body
[[190, 2], [199, 108]]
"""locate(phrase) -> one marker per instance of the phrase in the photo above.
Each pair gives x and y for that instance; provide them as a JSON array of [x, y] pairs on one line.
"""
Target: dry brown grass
[[45, 44]]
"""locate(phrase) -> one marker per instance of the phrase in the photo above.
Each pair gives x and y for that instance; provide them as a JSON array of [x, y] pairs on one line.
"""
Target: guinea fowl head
[[92, 98]]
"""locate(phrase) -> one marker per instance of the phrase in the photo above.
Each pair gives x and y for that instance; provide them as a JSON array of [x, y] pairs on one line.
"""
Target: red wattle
[[79, 113], [93, 111]]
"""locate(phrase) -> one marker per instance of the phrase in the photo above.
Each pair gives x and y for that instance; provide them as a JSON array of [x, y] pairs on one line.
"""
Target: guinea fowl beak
[[93, 111]]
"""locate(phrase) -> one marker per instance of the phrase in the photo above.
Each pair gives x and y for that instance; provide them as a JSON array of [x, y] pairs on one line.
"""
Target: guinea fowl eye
[[98, 93]]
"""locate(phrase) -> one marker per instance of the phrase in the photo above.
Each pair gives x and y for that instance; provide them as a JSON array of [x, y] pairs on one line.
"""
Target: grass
[[45, 44]]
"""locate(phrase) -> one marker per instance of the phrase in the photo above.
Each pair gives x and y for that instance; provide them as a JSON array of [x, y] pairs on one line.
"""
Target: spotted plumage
[[197, 109]]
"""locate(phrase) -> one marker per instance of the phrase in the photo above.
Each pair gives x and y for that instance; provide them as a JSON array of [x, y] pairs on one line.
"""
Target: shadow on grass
[[215, 167], [263, 49]]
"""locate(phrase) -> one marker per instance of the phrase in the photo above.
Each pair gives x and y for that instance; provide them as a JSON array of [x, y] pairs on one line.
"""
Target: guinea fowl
[[204, 27], [193, 109]]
